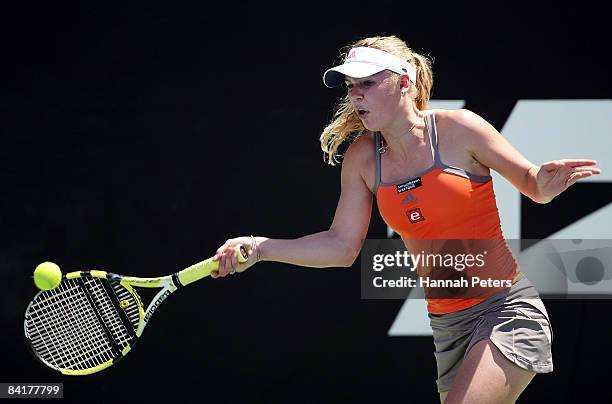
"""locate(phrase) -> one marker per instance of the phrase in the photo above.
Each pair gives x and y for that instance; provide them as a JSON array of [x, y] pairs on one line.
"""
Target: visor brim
[[335, 76]]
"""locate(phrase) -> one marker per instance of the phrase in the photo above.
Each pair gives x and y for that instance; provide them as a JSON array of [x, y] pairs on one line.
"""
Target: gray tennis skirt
[[515, 320]]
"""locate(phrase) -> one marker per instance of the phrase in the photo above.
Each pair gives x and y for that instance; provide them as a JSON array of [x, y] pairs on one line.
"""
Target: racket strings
[[109, 313], [65, 331], [131, 309]]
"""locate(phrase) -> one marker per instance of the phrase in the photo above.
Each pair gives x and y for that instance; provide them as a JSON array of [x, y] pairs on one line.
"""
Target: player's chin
[[370, 126]]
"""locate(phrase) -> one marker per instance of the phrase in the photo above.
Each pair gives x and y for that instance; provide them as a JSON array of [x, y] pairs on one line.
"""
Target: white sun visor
[[363, 62]]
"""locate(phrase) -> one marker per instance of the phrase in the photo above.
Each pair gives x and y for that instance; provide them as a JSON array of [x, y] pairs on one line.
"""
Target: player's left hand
[[556, 176]]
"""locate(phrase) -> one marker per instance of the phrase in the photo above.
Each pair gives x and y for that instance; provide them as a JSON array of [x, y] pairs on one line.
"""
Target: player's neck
[[406, 133]]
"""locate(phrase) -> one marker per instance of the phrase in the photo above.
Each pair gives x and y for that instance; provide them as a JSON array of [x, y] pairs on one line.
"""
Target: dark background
[[137, 138]]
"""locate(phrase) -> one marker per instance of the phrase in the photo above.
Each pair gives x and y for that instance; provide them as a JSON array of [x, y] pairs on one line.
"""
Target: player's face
[[375, 99]]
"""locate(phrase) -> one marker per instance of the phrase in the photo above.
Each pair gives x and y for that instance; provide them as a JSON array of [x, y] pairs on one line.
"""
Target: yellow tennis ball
[[47, 276]]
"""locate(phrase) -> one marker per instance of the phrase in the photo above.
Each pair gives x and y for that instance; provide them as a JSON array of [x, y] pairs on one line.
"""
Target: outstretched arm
[[540, 183]]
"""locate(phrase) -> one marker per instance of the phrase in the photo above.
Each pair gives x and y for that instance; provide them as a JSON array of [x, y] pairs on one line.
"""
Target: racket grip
[[204, 268]]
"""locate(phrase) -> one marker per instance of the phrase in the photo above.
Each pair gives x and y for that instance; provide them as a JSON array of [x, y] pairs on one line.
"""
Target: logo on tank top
[[409, 198], [415, 215], [408, 185]]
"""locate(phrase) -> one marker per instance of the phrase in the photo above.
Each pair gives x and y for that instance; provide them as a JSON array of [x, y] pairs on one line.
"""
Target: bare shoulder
[[461, 122], [358, 160], [361, 150], [464, 134]]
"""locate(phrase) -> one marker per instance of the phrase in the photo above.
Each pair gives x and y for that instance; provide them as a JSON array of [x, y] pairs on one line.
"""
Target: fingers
[[569, 171], [574, 177], [570, 163], [219, 258], [579, 162], [227, 256], [593, 170], [230, 265], [578, 173], [225, 265], [221, 250]]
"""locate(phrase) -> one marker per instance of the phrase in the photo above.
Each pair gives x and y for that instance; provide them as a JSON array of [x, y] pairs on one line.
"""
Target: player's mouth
[[362, 113]]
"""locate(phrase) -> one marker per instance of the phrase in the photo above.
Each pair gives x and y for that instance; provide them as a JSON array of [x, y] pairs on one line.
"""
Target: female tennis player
[[430, 173]]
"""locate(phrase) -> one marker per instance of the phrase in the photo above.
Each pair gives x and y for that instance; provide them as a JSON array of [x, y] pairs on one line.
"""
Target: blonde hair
[[345, 121]]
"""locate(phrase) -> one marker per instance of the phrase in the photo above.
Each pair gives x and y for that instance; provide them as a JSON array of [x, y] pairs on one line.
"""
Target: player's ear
[[404, 84]]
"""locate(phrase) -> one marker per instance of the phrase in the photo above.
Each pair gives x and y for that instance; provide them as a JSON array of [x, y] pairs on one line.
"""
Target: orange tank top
[[445, 203]]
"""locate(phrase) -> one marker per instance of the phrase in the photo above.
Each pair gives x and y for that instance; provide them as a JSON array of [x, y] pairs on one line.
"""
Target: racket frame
[[168, 284]]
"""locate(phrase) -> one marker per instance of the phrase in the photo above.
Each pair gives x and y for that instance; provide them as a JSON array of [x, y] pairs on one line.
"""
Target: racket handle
[[204, 268]]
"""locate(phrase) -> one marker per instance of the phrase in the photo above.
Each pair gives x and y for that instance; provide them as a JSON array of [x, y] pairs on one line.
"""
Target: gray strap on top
[[432, 132], [430, 122], [376, 162]]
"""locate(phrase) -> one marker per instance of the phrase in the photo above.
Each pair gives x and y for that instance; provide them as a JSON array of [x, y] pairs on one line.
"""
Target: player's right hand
[[228, 261]]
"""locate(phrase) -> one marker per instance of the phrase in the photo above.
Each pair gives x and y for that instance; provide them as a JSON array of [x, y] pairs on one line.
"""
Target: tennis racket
[[93, 318]]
